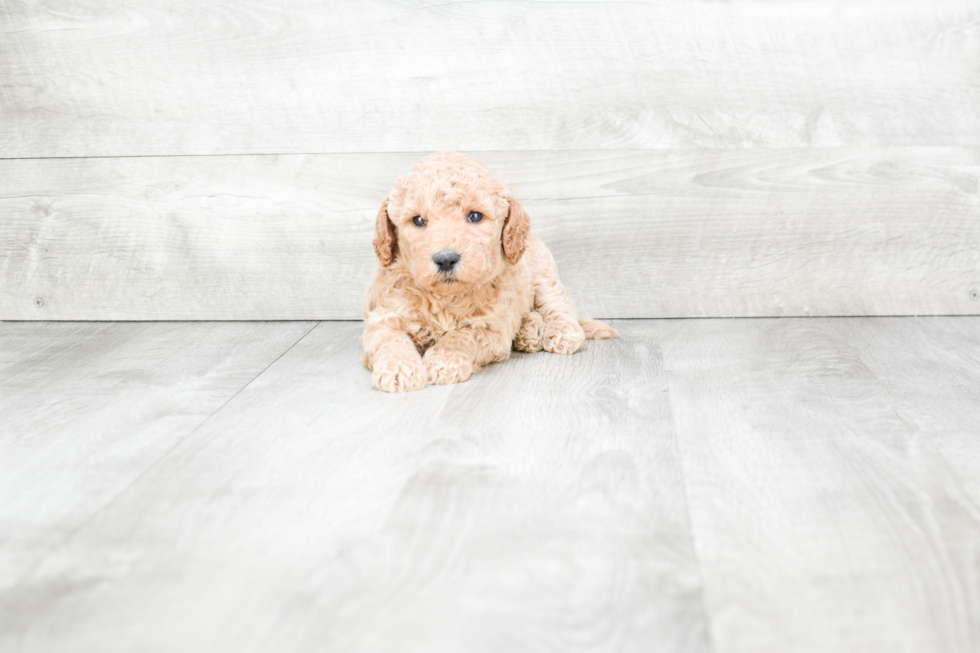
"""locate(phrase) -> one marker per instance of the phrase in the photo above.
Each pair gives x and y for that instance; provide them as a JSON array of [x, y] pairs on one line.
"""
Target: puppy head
[[451, 225]]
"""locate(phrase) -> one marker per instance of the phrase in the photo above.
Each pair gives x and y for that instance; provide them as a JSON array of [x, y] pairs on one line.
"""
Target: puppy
[[461, 280]]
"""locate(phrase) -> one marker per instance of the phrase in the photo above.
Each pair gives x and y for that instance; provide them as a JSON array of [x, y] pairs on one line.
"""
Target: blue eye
[[474, 216], [419, 221]]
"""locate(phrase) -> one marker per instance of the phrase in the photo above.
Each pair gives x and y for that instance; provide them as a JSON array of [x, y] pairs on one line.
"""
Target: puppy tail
[[596, 330]]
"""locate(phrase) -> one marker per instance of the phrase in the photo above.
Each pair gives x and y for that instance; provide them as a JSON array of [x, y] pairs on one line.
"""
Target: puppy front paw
[[563, 336], [530, 335], [447, 366], [399, 374]]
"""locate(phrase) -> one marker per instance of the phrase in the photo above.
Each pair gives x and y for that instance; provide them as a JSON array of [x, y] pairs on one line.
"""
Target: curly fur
[[427, 326]]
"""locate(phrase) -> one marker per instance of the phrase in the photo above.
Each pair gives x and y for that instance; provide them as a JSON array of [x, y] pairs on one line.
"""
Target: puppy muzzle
[[446, 261]]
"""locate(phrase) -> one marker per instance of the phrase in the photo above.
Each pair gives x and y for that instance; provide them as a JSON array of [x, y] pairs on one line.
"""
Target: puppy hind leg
[[562, 333], [596, 330], [565, 331]]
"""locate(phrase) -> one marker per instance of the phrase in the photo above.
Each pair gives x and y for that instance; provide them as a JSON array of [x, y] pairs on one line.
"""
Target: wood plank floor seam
[[705, 613], [121, 491], [726, 485]]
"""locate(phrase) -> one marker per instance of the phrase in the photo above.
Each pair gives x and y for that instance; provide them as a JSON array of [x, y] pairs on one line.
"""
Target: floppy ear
[[385, 241], [517, 226]]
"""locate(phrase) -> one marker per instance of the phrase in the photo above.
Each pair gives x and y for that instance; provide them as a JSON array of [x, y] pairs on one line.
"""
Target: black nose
[[446, 260]]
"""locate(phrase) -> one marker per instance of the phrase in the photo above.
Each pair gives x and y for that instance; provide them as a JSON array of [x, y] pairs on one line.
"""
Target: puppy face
[[451, 225]]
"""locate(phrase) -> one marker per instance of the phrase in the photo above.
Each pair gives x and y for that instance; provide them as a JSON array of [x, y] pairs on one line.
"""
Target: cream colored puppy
[[461, 280]]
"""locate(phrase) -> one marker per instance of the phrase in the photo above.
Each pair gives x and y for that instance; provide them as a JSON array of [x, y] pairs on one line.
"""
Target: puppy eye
[[474, 217], [419, 221]]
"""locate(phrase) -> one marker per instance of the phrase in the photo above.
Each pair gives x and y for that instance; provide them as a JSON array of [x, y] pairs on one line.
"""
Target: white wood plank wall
[[219, 160]]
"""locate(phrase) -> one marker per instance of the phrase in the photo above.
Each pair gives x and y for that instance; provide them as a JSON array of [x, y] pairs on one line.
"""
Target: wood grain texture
[[312, 513], [635, 233], [930, 372], [88, 408], [126, 78], [824, 520], [826, 466]]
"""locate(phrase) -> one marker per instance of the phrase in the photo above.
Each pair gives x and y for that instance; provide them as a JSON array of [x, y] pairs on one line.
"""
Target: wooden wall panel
[[863, 231], [125, 77], [219, 160]]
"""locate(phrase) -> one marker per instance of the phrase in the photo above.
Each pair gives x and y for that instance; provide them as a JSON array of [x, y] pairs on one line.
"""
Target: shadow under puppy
[[461, 280]]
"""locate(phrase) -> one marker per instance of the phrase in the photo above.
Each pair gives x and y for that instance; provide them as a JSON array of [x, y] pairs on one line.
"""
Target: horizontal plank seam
[[787, 317], [339, 319], [945, 146], [596, 317]]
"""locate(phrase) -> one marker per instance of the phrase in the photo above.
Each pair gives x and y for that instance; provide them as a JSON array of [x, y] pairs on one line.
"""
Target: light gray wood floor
[[697, 485]]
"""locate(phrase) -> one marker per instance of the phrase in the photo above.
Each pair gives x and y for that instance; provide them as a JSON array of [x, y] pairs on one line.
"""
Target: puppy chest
[[423, 336], [429, 330]]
